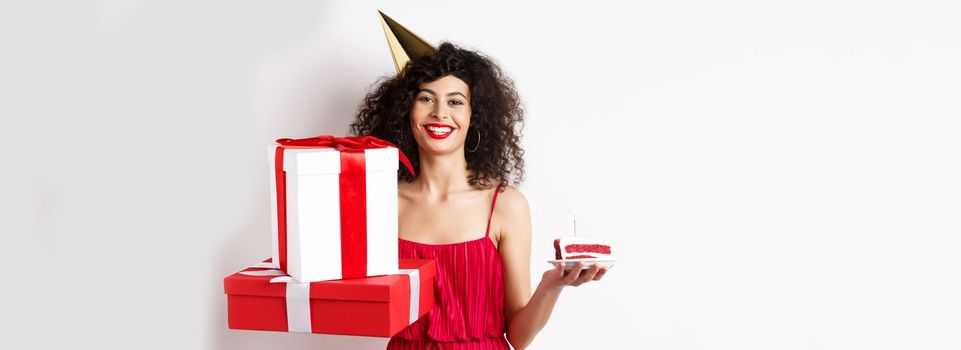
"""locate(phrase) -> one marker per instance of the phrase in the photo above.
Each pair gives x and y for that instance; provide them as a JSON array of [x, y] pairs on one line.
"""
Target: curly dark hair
[[496, 108]]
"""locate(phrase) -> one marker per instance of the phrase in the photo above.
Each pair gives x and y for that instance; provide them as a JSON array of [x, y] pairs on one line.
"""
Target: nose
[[440, 112]]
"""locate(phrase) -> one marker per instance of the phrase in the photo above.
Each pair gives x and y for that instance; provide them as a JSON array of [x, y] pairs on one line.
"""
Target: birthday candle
[[575, 222]]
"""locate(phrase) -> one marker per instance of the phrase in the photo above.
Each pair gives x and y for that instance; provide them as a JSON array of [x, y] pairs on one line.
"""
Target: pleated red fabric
[[469, 305]]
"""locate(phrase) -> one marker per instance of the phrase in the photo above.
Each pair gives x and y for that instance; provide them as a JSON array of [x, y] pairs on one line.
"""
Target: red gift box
[[264, 298]]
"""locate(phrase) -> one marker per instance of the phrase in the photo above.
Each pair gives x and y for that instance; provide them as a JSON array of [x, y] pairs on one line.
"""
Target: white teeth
[[438, 130]]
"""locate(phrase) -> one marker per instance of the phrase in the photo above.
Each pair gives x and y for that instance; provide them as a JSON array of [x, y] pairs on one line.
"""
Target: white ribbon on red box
[[298, 296]]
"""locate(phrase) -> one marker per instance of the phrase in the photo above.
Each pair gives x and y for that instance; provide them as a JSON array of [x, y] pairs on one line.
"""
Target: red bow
[[347, 144]]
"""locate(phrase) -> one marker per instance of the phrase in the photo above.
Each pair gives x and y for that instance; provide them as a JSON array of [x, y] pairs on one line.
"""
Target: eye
[[425, 99], [456, 102]]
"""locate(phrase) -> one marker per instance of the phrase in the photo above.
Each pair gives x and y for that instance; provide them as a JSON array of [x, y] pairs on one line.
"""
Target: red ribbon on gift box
[[353, 196]]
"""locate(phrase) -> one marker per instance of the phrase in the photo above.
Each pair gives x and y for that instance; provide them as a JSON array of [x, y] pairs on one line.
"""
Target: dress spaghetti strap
[[493, 202]]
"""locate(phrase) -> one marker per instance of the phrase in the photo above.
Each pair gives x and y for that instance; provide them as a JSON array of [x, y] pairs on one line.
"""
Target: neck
[[440, 175]]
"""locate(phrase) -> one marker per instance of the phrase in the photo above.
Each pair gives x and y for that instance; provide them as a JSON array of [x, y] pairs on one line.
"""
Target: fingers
[[557, 271], [555, 274], [573, 273], [600, 274], [577, 275], [587, 276]]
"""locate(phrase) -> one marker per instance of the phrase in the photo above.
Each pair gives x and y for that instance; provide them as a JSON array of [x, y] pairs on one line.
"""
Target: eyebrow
[[448, 94]]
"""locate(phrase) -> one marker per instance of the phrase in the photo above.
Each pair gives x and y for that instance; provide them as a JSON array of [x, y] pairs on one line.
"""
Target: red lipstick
[[435, 135]]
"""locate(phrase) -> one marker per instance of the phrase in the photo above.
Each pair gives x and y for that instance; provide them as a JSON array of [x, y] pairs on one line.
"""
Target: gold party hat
[[404, 44]]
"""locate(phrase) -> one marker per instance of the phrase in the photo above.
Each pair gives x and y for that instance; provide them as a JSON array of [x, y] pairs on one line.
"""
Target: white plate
[[569, 263]]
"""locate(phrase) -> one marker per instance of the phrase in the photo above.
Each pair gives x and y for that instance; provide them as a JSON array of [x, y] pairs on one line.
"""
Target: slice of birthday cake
[[566, 248]]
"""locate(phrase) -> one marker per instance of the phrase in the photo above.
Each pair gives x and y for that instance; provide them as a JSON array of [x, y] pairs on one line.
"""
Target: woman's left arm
[[527, 314]]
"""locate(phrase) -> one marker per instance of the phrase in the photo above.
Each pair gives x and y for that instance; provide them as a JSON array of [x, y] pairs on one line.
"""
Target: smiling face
[[440, 115]]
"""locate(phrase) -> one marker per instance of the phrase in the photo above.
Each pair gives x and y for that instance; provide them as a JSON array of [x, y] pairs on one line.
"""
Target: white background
[[775, 174]]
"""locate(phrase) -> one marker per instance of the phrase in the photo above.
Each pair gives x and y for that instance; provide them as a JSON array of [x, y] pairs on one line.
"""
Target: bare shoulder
[[513, 214], [511, 202]]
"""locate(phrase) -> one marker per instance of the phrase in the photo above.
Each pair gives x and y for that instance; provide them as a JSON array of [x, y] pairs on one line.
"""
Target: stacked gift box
[[335, 268]]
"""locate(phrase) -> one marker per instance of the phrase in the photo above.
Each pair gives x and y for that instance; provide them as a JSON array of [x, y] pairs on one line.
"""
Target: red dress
[[469, 305]]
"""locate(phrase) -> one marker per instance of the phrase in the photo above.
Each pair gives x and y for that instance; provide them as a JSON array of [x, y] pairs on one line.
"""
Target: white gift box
[[313, 213]]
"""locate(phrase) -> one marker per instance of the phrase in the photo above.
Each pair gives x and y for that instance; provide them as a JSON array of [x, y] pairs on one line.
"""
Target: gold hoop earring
[[478, 142]]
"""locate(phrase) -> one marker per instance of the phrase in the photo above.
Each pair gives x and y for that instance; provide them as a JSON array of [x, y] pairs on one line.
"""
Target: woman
[[455, 115]]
